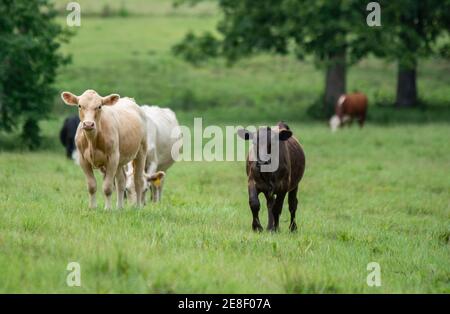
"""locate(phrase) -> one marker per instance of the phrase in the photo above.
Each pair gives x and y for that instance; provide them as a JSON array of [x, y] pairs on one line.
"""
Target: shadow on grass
[[418, 115]]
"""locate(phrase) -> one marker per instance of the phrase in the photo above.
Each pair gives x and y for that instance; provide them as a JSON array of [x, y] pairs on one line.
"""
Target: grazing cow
[[279, 182], [161, 122], [112, 132], [67, 136], [349, 107]]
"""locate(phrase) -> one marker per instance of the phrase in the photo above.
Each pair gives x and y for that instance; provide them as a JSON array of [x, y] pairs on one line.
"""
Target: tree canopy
[[412, 30], [335, 33], [29, 57]]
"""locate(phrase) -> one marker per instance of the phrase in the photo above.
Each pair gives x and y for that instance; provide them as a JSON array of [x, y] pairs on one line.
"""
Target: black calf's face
[[262, 145], [262, 141]]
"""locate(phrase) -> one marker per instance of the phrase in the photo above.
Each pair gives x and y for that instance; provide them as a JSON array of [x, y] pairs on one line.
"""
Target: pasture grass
[[122, 8], [375, 195]]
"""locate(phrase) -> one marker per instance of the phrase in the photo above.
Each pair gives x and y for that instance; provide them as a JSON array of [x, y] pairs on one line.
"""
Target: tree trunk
[[31, 134], [406, 86], [335, 84]]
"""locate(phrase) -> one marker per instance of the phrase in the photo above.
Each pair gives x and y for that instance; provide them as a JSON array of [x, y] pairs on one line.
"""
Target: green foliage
[[123, 11], [320, 28], [409, 29], [412, 29], [29, 43], [196, 49]]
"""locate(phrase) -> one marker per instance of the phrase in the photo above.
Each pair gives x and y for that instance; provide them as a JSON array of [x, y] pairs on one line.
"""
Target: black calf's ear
[[285, 134], [283, 125], [244, 134]]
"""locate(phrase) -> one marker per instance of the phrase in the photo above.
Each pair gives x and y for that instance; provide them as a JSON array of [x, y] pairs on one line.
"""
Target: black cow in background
[[67, 136]]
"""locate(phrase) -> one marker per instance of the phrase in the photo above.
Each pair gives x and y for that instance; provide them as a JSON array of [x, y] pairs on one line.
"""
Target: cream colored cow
[[112, 133]]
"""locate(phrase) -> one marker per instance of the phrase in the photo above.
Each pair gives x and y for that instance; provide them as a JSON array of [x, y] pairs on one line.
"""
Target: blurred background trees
[[291, 58], [335, 33], [411, 30], [29, 58]]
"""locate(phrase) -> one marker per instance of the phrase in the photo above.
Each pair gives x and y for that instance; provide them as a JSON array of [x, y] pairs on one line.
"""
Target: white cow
[[161, 126]]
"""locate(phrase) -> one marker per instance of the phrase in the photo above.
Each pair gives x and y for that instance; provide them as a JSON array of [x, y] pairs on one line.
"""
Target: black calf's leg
[[276, 210], [270, 202], [254, 206], [293, 202]]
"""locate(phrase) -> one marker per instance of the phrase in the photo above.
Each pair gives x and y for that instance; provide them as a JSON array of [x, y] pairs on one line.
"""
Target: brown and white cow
[[273, 183], [112, 132], [349, 107]]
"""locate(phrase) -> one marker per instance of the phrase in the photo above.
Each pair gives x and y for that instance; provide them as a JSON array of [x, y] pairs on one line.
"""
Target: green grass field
[[381, 194], [126, 8]]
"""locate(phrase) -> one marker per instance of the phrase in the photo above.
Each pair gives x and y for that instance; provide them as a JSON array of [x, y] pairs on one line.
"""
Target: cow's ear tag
[[157, 182]]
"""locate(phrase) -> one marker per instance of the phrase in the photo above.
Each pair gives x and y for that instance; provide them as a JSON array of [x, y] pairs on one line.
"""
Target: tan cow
[[112, 132]]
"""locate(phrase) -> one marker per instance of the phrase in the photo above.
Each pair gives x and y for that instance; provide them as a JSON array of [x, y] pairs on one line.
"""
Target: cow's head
[[262, 141], [89, 107], [152, 182], [334, 122], [156, 180]]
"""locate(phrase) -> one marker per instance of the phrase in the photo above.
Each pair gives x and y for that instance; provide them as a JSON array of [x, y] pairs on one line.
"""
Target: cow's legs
[[111, 171], [152, 167], [156, 183], [276, 210], [160, 191], [120, 186], [151, 170], [254, 206], [293, 202], [270, 202], [361, 120], [138, 168], [156, 193], [90, 181]]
